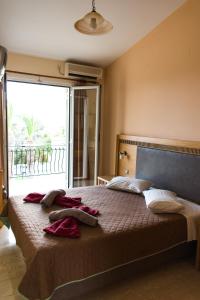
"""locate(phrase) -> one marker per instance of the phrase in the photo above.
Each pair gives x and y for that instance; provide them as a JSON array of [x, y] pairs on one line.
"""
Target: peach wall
[[36, 65], [154, 88]]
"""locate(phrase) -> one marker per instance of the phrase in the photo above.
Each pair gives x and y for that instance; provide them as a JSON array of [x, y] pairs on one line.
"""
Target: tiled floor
[[12, 266], [175, 281]]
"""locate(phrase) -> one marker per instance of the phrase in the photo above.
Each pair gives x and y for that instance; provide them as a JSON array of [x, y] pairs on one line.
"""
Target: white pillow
[[162, 201], [139, 185], [119, 183], [128, 184]]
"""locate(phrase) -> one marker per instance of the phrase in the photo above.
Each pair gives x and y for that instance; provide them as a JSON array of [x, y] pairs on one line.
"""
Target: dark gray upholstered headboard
[[170, 170]]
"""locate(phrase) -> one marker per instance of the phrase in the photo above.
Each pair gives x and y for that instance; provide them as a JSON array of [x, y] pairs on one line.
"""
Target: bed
[[125, 223]]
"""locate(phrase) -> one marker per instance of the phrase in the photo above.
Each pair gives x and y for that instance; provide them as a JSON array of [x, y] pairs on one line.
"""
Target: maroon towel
[[67, 202], [90, 211], [67, 227], [34, 197], [64, 201]]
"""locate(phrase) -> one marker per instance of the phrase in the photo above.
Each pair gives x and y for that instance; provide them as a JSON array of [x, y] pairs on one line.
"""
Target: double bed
[[127, 231]]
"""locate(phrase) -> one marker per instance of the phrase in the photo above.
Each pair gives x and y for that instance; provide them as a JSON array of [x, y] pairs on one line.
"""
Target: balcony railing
[[36, 160]]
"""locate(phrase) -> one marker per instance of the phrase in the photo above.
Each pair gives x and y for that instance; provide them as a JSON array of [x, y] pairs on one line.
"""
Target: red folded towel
[[67, 227], [67, 202], [88, 210], [34, 197], [59, 200]]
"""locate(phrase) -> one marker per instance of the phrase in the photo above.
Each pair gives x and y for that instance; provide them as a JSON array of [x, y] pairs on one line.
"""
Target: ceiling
[[45, 27]]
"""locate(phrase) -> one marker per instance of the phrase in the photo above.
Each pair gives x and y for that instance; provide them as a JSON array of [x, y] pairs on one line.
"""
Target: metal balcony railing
[[36, 160]]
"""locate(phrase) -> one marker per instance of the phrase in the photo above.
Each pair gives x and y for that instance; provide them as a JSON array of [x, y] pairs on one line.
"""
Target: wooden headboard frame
[[126, 150]]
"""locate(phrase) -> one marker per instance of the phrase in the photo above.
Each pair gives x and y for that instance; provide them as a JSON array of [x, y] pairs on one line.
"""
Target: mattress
[[127, 231]]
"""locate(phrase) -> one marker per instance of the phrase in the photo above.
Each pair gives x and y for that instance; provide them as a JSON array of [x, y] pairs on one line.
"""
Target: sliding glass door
[[83, 136]]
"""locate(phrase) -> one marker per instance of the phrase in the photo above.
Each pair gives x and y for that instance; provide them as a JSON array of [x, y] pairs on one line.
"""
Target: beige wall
[[36, 65], [154, 88]]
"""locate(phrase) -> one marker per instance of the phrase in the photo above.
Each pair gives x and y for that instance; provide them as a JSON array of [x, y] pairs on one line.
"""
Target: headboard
[[175, 171], [162, 161], [126, 150]]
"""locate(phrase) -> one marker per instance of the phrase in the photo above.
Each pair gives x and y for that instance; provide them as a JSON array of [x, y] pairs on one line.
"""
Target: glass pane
[[85, 101], [37, 120]]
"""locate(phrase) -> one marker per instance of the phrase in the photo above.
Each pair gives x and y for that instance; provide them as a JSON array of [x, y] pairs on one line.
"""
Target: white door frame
[[67, 163], [85, 140], [71, 133]]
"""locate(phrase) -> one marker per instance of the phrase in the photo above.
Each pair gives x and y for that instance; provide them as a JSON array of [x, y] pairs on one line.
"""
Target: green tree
[[31, 126]]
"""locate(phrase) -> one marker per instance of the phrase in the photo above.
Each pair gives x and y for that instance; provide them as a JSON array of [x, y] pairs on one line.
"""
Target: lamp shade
[[93, 23]]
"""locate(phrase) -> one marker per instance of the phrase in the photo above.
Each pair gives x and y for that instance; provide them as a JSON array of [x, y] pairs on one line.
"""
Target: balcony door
[[53, 134], [37, 126], [83, 136]]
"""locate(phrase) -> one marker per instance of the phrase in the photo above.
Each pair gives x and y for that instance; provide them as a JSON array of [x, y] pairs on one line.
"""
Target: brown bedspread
[[127, 230]]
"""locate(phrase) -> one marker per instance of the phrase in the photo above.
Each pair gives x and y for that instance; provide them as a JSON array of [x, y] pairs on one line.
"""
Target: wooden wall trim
[[160, 141], [189, 147]]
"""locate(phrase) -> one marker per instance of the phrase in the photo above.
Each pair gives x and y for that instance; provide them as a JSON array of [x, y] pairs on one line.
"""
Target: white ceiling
[[45, 27]]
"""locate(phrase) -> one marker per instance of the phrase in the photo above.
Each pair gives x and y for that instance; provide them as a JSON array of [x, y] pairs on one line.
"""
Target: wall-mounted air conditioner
[[81, 71]]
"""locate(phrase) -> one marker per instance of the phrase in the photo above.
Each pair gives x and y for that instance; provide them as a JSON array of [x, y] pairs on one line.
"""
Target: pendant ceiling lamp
[[93, 23]]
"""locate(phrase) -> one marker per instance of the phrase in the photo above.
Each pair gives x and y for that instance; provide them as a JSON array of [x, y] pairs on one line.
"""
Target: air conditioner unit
[[73, 70]]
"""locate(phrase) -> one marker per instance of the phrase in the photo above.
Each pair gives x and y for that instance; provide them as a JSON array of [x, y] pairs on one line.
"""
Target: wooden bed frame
[[126, 154]]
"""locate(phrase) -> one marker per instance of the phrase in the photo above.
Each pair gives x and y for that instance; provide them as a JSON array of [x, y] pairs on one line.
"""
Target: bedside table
[[102, 180]]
